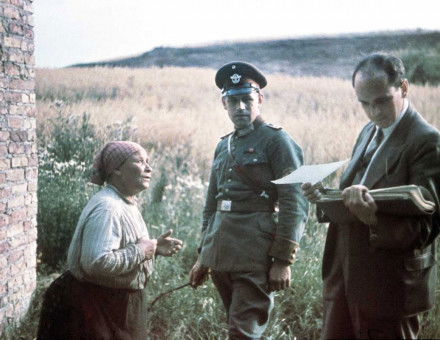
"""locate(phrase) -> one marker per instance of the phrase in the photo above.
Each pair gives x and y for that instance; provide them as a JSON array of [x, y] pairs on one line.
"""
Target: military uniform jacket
[[248, 241], [388, 269]]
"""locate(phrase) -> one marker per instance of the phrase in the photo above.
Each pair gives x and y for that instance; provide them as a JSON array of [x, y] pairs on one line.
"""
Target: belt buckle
[[225, 205]]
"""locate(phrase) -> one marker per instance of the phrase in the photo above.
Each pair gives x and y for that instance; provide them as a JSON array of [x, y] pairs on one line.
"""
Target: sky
[[76, 31]]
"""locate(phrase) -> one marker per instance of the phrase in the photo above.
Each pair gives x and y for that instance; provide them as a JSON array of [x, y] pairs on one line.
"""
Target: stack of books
[[405, 200]]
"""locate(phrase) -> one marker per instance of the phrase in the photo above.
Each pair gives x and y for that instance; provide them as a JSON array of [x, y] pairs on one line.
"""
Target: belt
[[244, 206]]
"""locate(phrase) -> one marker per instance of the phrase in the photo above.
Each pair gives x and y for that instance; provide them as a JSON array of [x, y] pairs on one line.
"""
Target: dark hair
[[390, 64]]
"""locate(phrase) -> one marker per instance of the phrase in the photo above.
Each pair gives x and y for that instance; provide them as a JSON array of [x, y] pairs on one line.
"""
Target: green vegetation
[[180, 128], [423, 66]]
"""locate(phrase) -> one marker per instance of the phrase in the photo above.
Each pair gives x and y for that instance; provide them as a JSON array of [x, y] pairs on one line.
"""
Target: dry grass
[[182, 105], [180, 108]]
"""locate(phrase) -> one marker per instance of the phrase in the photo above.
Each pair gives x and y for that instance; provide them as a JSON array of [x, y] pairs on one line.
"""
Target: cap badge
[[233, 67], [235, 78]]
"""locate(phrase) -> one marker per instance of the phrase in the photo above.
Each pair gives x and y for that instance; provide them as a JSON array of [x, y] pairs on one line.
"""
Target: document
[[310, 173]]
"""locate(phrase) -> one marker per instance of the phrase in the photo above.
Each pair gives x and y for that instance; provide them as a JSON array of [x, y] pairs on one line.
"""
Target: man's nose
[[241, 105], [148, 168]]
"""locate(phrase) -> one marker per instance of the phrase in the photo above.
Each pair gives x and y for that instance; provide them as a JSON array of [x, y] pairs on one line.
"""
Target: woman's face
[[135, 173]]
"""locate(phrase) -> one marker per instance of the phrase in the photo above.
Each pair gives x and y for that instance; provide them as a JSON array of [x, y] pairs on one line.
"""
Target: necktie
[[368, 155]]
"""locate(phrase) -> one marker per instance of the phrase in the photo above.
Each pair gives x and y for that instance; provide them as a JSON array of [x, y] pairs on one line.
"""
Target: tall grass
[[179, 118]]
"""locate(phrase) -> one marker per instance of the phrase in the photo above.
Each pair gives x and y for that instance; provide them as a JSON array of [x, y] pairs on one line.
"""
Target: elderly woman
[[110, 258]]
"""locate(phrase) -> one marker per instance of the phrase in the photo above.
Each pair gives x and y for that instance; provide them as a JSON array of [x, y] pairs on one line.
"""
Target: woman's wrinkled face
[[135, 173]]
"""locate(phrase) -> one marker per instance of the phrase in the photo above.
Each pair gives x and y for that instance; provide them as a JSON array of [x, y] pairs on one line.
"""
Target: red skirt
[[81, 310]]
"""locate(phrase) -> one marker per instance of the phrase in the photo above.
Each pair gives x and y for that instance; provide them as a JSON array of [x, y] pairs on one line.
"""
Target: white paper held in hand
[[310, 173]]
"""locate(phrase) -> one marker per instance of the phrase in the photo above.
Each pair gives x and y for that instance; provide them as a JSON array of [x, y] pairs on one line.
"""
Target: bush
[[65, 161], [422, 66]]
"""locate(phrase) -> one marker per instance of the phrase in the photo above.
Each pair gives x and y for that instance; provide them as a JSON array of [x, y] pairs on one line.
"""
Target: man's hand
[[360, 203], [311, 192], [168, 246], [198, 274], [279, 276]]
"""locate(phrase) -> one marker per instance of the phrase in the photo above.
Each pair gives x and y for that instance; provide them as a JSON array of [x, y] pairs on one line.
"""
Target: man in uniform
[[380, 272], [248, 252]]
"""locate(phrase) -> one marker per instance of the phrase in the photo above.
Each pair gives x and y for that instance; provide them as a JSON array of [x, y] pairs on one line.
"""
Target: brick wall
[[18, 160]]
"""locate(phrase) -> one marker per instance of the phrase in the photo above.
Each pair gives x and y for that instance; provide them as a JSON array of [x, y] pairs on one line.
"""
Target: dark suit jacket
[[388, 269]]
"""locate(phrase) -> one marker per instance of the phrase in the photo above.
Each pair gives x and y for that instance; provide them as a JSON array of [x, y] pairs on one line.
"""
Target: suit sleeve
[[285, 156], [394, 232]]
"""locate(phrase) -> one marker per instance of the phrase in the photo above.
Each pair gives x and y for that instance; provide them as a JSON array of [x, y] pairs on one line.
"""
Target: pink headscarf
[[111, 157]]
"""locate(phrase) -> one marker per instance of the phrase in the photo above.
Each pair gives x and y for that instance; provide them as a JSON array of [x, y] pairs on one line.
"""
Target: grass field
[[178, 116]]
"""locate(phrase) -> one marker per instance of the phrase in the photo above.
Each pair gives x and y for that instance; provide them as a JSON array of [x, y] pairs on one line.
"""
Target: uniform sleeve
[[404, 233], [211, 202], [285, 156], [101, 254]]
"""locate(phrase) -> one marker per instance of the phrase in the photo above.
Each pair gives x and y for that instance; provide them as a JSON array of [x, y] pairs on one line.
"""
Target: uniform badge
[[235, 78]]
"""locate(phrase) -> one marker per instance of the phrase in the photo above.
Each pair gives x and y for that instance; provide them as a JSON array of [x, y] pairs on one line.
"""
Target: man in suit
[[248, 251], [379, 272]]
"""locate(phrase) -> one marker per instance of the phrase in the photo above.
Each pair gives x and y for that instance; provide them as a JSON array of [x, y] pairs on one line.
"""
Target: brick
[[19, 188], [19, 161], [17, 57], [31, 173], [16, 28], [4, 136], [29, 34], [11, 12], [32, 186], [4, 220], [5, 164], [15, 255], [14, 175], [16, 202], [16, 148], [18, 240], [12, 69], [5, 192], [13, 42], [18, 136], [33, 160], [12, 97], [3, 150], [2, 178], [20, 84], [27, 226], [4, 246], [14, 229], [2, 208]]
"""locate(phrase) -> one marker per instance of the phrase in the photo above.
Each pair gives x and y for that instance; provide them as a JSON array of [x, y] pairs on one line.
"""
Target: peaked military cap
[[231, 78]]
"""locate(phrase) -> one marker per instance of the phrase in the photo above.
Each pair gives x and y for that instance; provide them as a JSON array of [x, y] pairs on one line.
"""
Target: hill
[[314, 56]]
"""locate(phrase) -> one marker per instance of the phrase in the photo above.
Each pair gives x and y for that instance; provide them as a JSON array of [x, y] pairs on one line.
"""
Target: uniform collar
[[251, 127]]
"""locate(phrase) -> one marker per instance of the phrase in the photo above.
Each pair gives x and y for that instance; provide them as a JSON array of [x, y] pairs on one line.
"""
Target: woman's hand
[[168, 246], [147, 246]]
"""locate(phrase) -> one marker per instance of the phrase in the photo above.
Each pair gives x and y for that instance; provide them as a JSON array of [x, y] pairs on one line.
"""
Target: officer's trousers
[[247, 300]]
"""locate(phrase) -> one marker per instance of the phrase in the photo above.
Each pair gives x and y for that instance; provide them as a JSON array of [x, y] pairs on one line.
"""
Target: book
[[405, 200]]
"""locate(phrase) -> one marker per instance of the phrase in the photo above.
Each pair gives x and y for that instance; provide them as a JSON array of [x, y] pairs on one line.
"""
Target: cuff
[[284, 249]]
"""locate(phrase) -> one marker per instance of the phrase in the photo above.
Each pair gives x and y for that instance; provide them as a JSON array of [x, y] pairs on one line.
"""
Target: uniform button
[[255, 160], [226, 190], [233, 148], [230, 169], [229, 180]]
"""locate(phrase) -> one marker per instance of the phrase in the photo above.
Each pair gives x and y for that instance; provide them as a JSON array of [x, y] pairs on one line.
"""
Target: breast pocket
[[257, 165]]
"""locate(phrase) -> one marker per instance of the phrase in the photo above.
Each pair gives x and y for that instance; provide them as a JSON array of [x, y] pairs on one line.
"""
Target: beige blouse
[[103, 249]]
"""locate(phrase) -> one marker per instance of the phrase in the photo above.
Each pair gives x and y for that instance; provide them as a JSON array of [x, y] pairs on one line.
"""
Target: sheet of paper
[[310, 173]]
